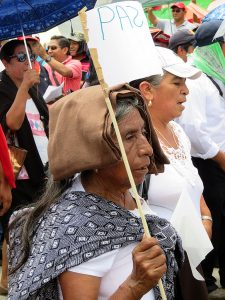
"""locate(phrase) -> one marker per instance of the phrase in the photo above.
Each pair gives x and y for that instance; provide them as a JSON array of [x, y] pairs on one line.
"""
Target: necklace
[[173, 135]]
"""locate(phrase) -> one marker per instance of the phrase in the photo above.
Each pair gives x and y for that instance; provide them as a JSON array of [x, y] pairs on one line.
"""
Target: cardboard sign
[[125, 47]]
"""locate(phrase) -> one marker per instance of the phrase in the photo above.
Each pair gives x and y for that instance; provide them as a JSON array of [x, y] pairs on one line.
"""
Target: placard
[[123, 40]]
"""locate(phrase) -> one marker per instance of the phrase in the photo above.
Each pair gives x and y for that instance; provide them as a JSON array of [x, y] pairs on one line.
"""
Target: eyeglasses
[[176, 10], [52, 47], [22, 57]]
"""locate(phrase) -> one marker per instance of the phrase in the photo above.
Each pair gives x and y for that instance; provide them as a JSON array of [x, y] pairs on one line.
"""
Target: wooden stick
[[98, 68]]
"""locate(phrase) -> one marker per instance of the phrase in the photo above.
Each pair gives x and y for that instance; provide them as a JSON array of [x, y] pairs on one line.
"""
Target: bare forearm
[[153, 19], [127, 291], [204, 208], [15, 115]]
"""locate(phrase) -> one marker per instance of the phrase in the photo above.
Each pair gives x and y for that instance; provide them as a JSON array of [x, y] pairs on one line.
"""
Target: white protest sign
[[125, 47]]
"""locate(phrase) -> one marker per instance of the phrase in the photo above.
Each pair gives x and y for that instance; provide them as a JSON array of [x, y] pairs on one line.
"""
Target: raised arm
[[38, 49], [16, 113], [152, 18], [149, 264]]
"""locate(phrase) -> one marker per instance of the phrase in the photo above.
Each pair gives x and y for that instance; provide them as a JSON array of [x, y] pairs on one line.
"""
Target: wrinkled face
[[16, 68], [138, 150], [54, 50], [169, 97], [74, 46], [178, 14]]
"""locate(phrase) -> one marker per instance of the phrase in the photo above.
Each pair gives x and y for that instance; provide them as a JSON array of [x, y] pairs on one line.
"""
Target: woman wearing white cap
[[176, 195]]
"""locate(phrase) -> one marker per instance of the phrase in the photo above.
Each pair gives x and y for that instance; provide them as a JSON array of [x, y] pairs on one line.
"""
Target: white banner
[[125, 47]]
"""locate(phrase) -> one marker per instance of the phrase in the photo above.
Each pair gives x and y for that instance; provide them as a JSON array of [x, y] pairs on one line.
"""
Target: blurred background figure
[[182, 43], [79, 50], [171, 26], [60, 65]]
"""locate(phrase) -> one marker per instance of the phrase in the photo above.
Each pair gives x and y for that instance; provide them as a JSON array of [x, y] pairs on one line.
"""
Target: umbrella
[[145, 3], [34, 16], [217, 13]]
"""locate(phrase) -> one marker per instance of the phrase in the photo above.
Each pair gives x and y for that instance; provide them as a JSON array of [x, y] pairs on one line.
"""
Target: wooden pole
[[104, 86]]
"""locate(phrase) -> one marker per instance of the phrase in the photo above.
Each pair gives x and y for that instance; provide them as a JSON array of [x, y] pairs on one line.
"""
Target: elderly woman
[[85, 240], [180, 201]]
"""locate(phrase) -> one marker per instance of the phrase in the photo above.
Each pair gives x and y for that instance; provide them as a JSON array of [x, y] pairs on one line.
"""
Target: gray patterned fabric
[[78, 227]]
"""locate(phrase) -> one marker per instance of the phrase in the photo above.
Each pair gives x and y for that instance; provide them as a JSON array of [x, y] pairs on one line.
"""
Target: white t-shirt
[[112, 267], [40, 138], [169, 27]]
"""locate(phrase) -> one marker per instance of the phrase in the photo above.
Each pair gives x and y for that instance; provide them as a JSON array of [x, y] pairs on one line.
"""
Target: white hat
[[173, 64]]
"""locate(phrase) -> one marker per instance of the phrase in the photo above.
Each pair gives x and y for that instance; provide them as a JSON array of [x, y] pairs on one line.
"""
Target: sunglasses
[[22, 57], [176, 10], [52, 47]]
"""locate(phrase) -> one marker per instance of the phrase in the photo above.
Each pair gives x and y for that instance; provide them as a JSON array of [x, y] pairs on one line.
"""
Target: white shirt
[[175, 195], [204, 118], [169, 27], [40, 138], [112, 267]]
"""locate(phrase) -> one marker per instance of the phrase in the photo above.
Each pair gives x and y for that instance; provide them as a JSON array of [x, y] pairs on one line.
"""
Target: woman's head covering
[[80, 132]]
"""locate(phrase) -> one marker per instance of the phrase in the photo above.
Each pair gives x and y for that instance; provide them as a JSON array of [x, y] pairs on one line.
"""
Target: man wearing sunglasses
[[60, 65], [171, 26]]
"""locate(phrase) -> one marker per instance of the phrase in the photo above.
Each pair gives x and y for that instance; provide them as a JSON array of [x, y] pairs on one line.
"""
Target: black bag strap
[[216, 85], [144, 187], [55, 78]]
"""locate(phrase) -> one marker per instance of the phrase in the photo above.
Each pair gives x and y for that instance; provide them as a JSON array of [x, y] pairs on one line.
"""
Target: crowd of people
[[70, 220]]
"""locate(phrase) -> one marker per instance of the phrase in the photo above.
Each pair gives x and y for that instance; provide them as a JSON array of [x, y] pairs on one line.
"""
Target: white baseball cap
[[173, 64]]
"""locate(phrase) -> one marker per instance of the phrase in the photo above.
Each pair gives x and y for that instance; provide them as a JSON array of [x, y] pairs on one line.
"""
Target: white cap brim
[[183, 70]]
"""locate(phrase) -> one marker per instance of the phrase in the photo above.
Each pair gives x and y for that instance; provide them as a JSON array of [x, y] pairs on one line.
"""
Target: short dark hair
[[8, 49], [184, 46], [63, 41]]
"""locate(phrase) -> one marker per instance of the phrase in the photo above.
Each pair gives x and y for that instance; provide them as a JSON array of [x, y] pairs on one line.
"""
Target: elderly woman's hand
[[149, 265]]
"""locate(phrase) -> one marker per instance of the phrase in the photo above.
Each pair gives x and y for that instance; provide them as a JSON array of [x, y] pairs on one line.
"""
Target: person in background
[[180, 200], [79, 50], [204, 123], [23, 112], [182, 43], [44, 77], [92, 245], [171, 26], [59, 64]]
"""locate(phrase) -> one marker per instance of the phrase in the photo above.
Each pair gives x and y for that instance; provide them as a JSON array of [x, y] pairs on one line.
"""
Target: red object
[[157, 7], [28, 37], [37, 67], [5, 160], [161, 37], [179, 5]]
